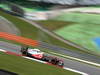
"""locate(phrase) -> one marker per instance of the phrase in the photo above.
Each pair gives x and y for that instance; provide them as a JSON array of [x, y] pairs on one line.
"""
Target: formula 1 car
[[37, 54]]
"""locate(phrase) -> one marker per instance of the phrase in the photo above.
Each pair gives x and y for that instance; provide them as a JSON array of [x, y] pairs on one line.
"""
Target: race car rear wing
[[24, 48]]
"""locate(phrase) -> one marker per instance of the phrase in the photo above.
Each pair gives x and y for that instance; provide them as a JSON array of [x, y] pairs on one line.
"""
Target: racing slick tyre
[[60, 63]]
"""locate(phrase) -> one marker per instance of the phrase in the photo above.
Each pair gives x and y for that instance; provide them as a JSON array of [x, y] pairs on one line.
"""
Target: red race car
[[37, 54]]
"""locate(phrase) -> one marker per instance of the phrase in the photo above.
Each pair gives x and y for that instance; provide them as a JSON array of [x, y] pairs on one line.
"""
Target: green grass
[[83, 31], [6, 7], [53, 25], [79, 18], [78, 33], [81, 34], [29, 31], [24, 66]]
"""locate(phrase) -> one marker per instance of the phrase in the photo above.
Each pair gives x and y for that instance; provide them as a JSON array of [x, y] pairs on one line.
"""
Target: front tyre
[[60, 63]]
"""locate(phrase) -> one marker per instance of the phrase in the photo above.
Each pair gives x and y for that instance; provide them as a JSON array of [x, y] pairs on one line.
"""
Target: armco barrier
[[18, 39]]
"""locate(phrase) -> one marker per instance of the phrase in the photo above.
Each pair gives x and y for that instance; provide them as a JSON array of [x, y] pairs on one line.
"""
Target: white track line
[[75, 71], [3, 50], [46, 62], [88, 62], [33, 59], [63, 67]]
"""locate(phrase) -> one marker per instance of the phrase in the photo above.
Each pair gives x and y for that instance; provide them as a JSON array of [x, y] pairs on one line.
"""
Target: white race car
[[37, 54]]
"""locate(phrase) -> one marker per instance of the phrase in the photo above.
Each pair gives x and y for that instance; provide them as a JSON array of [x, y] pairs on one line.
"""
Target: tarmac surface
[[7, 26]]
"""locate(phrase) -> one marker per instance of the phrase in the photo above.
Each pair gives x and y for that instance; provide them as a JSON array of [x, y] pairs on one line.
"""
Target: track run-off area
[[84, 69]]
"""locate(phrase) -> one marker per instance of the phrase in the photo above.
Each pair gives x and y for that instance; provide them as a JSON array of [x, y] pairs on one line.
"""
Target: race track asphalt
[[72, 53], [7, 26], [91, 70]]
